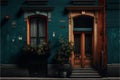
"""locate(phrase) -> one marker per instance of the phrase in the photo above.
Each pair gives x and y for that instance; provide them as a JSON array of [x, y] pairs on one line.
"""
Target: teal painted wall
[[10, 50], [55, 25], [113, 30]]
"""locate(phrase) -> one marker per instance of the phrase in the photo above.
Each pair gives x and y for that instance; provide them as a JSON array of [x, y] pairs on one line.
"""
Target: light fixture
[[83, 12]]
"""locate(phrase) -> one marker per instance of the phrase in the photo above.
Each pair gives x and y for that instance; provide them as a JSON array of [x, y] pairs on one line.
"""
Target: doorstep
[[37, 78]]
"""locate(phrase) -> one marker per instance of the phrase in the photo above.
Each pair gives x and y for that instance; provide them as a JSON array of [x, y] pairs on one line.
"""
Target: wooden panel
[[28, 32], [83, 49], [101, 2], [100, 37]]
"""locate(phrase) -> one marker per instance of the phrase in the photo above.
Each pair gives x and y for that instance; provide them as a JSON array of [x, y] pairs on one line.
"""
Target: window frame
[[29, 29]]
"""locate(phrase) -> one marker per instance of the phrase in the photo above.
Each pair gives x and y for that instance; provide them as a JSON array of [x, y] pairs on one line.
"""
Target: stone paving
[[37, 78]]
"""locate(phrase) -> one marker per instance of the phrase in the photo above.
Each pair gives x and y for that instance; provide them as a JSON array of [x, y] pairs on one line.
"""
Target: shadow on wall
[[4, 21], [19, 13]]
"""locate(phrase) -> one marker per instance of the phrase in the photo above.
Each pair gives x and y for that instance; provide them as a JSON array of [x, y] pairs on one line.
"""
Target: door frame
[[71, 31]]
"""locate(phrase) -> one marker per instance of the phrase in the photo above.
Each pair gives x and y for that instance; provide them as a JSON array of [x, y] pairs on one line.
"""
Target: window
[[37, 30], [83, 21]]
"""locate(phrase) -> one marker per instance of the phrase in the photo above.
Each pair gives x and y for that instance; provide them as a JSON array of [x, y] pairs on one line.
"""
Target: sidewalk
[[37, 78]]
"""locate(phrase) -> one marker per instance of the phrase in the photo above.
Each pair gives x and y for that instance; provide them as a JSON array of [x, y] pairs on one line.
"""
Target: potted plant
[[62, 57], [36, 59], [43, 53]]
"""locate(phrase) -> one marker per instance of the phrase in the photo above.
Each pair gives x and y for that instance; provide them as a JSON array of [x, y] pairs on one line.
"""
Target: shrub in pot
[[36, 59], [62, 57]]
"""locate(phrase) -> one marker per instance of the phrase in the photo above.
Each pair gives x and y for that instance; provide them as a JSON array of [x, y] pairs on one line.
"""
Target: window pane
[[77, 43], [33, 42], [88, 44], [38, 31], [42, 40], [83, 21], [33, 28], [41, 28]]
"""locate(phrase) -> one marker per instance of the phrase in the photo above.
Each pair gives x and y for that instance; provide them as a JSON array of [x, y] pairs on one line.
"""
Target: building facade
[[91, 25]]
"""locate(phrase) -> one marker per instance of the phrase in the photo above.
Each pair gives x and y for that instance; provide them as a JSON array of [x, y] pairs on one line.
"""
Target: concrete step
[[38, 78], [84, 73], [80, 68], [88, 70]]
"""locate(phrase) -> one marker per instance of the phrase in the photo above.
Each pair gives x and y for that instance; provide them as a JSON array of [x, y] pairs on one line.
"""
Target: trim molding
[[112, 65]]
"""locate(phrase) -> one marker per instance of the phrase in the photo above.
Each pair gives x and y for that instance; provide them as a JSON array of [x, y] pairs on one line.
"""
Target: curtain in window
[[37, 31]]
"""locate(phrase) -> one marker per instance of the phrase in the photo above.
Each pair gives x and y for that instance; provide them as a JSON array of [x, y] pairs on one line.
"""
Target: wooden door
[[83, 49]]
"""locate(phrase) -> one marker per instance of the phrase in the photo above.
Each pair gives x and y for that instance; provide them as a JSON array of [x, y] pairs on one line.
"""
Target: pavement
[[38, 78]]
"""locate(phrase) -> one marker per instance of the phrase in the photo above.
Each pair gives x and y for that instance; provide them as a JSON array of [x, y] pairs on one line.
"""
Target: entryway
[[83, 49], [87, 31], [83, 37]]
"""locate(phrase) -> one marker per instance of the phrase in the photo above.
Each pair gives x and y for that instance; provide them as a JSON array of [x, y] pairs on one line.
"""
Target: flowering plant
[[41, 49], [64, 51]]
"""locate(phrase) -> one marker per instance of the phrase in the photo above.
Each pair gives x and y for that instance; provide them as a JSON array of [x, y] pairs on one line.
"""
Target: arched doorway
[[83, 40], [83, 33], [87, 28]]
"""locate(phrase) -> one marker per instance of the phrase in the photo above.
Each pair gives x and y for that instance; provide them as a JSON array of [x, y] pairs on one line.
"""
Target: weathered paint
[[10, 46]]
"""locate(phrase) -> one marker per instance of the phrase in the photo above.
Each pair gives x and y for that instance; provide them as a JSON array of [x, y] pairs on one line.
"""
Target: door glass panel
[[88, 44], [77, 43], [83, 21]]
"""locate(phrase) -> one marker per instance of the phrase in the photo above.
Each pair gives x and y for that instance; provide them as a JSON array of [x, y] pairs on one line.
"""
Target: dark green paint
[[10, 51]]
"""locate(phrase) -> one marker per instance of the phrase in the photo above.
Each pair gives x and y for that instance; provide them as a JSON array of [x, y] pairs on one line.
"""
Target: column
[[83, 49]]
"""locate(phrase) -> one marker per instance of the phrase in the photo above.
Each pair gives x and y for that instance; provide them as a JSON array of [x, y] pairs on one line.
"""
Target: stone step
[[81, 75], [38, 78], [79, 68], [84, 71]]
